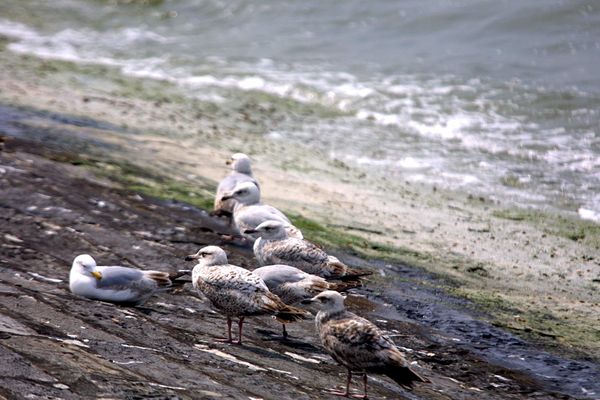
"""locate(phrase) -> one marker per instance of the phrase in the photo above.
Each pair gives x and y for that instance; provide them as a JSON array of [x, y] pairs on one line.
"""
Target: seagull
[[241, 172], [235, 291], [275, 246], [249, 212], [293, 285], [358, 344], [121, 285]]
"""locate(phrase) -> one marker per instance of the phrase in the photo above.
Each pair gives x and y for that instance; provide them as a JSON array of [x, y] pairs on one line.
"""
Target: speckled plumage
[[296, 252], [291, 284], [275, 246], [355, 342], [358, 344], [235, 291]]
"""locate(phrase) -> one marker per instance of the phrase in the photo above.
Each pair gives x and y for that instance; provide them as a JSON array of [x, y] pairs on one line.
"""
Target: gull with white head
[[249, 212], [276, 246], [241, 171], [358, 344], [235, 291], [293, 285], [115, 284]]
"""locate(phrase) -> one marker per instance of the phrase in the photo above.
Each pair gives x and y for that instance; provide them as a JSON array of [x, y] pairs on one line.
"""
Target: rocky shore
[[59, 346], [490, 301]]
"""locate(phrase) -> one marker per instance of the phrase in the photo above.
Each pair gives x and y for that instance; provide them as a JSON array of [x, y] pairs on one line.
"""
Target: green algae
[[564, 334], [456, 275], [135, 178], [565, 226], [109, 80], [339, 239]]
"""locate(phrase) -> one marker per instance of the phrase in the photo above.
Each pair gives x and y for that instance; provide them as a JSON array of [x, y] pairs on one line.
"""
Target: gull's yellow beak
[[97, 275]]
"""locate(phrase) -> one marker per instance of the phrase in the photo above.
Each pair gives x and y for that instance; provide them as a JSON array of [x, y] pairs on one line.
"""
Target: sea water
[[498, 98]]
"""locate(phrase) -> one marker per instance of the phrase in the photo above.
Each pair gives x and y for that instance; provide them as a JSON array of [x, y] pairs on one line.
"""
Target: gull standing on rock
[[241, 172], [249, 212], [235, 291], [275, 246], [293, 285], [121, 285], [358, 344]]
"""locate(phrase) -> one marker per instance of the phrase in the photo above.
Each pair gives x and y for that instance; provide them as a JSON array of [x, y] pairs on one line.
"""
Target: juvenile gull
[[235, 291], [122, 285], [249, 212], [358, 344], [275, 246], [241, 172], [293, 285]]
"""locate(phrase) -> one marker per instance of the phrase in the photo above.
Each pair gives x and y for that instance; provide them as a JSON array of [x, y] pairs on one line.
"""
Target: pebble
[[61, 386]]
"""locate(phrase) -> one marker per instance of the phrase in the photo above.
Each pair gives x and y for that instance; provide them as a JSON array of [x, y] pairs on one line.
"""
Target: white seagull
[[122, 285], [241, 172], [249, 212]]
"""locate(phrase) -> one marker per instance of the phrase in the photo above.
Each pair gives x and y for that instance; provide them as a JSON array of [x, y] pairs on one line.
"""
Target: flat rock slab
[[56, 345]]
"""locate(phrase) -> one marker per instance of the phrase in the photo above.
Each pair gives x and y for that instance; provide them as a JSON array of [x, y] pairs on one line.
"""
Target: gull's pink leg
[[240, 326], [228, 340], [347, 392], [364, 396]]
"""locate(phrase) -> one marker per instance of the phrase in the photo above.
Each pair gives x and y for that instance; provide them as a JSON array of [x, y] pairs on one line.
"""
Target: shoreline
[[76, 348], [534, 272]]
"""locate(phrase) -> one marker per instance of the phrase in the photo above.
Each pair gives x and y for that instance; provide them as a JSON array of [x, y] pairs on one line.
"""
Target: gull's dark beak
[[227, 197], [193, 257], [250, 231], [307, 301], [229, 162]]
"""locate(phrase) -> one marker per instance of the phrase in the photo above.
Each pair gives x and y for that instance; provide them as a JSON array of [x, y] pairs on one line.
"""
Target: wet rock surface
[[56, 345]]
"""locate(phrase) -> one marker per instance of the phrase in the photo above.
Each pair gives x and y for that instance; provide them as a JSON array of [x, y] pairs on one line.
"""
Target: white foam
[[589, 215], [420, 125], [412, 163], [380, 118], [86, 46]]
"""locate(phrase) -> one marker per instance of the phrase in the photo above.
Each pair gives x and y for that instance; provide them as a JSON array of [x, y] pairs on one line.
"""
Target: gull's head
[[245, 193], [328, 300], [240, 163], [86, 265], [270, 230], [209, 255]]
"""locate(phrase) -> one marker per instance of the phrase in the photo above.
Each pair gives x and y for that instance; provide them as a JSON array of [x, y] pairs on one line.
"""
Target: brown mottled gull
[[275, 246], [241, 172], [122, 285], [293, 285], [358, 344], [235, 291], [249, 212]]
